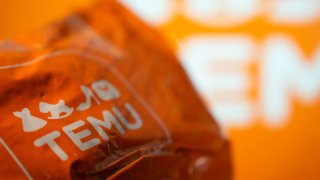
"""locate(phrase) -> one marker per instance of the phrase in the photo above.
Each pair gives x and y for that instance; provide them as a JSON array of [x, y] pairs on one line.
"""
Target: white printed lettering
[[132, 126], [108, 120], [76, 137], [49, 140]]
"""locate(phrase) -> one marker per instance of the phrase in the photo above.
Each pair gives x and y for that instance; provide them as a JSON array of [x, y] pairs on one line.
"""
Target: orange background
[[259, 151]]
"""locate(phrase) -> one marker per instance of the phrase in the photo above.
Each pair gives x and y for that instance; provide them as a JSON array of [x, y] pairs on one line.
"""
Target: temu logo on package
[[65, 114], [114, 117]]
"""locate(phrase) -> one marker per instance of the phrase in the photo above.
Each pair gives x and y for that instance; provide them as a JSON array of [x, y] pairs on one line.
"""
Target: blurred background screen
[[256, 64]]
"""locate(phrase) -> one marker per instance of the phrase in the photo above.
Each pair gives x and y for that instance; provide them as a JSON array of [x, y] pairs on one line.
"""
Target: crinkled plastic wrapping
[[100, 95]]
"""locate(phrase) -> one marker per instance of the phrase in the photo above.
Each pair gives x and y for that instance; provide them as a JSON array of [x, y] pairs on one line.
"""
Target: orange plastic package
[[100, 95]]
